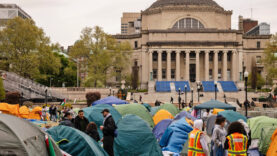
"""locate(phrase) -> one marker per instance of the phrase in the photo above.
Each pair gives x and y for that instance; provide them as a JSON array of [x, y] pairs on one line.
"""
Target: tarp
[[78, 143], [160, 128], [24, 112], [110, 100], [135, 109], [20, 137], [215, 104], [232, 116], [272, 150], [35, 113], [161, 115], [93, 114], [170, 108], [184, 114], [9, 109], [135, 138], [175, 136]]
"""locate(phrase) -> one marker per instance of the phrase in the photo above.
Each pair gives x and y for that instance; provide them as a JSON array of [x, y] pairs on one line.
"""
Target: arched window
[[188, 23]]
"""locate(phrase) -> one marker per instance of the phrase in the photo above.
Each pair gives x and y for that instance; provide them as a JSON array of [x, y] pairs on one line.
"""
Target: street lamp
[[46, 94], [246, 101], [215, 90], [113, 92], [198, 90], [192, 96], [51, 81], [179, 98], [110, 91], [186, 94]]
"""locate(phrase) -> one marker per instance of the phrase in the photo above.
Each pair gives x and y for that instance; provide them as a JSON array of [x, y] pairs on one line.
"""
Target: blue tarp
[[110, 100], [232, 116], [175, 136], [184, 114], [160, 128]]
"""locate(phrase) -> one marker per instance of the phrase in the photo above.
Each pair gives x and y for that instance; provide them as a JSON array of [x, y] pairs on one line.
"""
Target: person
[[92, 131], [247, 130], [54, 113], [183, 104], [218, 136], [206, 114], [67, 120], [197, 145], [140, 98], [236, 142], [44, 113], [50, 112], [71, 111], [171, 99], [108, 129], [81, 122]]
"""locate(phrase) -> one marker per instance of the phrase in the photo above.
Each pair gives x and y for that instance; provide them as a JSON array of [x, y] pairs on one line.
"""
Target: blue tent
[[215, 104], [93, 114], [135, 138], [75, 142], [175, 136], [160, 128], [184, 114], [110, 100], [232, 116]]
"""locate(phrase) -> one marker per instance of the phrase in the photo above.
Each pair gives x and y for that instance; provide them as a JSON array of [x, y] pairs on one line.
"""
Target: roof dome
[[162, 3]]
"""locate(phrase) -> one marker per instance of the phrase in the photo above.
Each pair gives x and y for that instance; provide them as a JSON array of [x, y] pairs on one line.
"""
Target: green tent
[[215, 104], [170, 108], [75, 142], [154, 110], [135, 109], [135, 138], [147, 106]]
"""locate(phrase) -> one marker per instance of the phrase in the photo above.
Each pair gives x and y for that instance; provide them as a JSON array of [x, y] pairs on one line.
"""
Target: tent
[[184, 114], [147, 106], [272, 150], [135, 138], [24, 112], [170, 108], [215, 104], [154, 110], [160, 128], [35, 113], [175, 136], [216, 111], [232, 116], [9, 109], [75, 142], [135, 109], [20, 137], [93, 114], [161, 115], [110, 100]]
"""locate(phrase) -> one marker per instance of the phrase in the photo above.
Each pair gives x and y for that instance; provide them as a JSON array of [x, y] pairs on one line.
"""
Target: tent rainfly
[[215, 104], [110, 100]]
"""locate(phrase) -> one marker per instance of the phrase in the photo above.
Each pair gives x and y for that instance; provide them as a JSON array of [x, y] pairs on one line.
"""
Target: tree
[[258, 83], [2, 90], [270, 58], [101, 55]]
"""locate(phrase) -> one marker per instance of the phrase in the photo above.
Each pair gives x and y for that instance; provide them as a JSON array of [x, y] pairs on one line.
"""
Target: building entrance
[[192, 72]]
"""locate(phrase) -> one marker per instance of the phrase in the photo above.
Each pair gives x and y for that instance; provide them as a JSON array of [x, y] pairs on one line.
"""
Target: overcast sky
[[63, 20]]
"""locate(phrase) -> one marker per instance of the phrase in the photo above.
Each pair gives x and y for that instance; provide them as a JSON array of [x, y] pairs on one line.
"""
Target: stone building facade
[[192, 40]]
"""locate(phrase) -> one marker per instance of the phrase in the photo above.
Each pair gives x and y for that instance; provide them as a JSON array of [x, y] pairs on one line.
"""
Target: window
[[164, 73], [220, 57], [155, 56], [131, 24], [210, 73], [229, 57], [172, 73], [219, 74], [154, 73], [258, 59], [258, 44], [173, 56], [164, 56], [136, 44], [188, 23], [211, 57]]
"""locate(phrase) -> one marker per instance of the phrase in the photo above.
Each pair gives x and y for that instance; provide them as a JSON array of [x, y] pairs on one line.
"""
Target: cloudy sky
[[63, 20]]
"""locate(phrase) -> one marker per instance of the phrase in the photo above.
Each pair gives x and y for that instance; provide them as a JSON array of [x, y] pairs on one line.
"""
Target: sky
[[63, 20]]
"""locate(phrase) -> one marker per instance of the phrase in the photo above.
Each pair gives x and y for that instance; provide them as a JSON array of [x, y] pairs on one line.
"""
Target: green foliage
[[2, 90], [260, 82], [270, 60]]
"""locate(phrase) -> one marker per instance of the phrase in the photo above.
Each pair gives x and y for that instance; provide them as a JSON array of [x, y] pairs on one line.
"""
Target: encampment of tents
[[135, 138], [161, 115], [272, 150], [215, 104], [20, 137], [135, 109], [170, 108], [232, 116], [9, 109], [110, 100], [160, 128], [75, 142], [24, 112]]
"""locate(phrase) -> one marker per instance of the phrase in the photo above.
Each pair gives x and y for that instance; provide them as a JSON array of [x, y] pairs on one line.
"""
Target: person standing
[[197, 145], [92, 131], [171, 99], [218, 137], [51, 112], [236, 142], [44, 113], [108, 129], [81, 122], [54, 113], [67, 120]]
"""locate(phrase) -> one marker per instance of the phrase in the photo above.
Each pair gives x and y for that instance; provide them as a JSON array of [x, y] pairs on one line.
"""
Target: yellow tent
[[272, 150], [216, 111], [9, 109], [24, 112], [35, 113], [161, 115]]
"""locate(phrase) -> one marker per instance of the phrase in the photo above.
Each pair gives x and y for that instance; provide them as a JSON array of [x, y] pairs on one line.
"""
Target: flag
[[63, 103], [49, 146]]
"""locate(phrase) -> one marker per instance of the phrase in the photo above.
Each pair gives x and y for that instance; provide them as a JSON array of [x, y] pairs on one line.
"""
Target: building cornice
[[191, 31], [131, 36], [192, 43], [256, 36]]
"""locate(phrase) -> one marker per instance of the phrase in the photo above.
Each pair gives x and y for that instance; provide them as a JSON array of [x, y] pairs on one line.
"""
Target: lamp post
[[198, 90], [246, 101], [192, 96], [113, 92], [215, 90], [179, 98], [110, 91], [51, 81], [46, 94], [186, 94]]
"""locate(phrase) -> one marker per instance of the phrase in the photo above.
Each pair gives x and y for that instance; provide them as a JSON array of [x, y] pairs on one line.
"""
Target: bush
[[92, 96], [13, 97], [2, 90]]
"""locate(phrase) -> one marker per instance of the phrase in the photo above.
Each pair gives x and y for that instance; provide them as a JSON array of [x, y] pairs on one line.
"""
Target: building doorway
[[192, 72]]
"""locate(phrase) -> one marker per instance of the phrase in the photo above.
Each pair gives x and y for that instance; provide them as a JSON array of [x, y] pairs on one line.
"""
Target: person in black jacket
[[108, 129], [92, 131], [67, 120], [81, 122]]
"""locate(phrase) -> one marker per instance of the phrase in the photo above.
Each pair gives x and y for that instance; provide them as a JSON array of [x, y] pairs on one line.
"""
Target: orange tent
[[9, 109], [35, 113], [161, 115], [272, 150], [216, 111], [24, 112]]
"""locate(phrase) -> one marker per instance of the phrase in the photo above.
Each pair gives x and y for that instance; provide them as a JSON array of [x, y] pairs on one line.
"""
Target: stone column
[[159, 65], [234, 65], [197, 65], [207, 65], [225, 64], [150, 59], [168, 68], [187, 66], [178, 65], [240, 67], [215, 65]]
